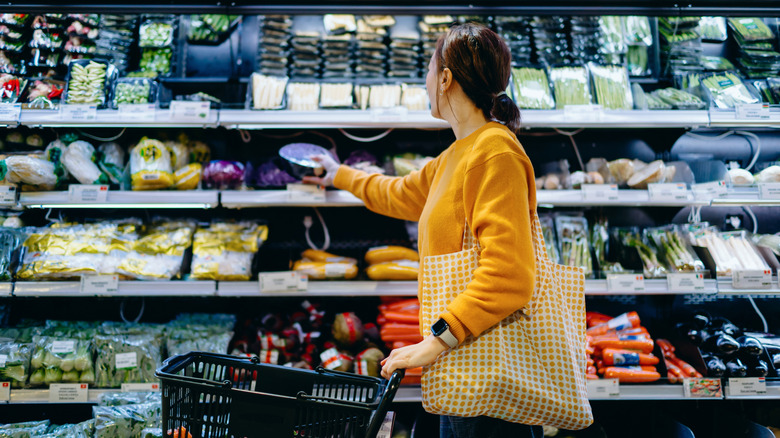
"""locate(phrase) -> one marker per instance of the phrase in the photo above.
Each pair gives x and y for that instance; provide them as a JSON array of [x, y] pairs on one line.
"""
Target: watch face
[[439, 327]]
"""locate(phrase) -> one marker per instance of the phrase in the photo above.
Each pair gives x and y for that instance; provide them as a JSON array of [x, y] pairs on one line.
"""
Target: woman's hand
[[329, 165], [413, 356]]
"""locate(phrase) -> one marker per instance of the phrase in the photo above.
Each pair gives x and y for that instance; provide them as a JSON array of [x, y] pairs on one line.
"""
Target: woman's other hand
[[413, 356], [329, 165]]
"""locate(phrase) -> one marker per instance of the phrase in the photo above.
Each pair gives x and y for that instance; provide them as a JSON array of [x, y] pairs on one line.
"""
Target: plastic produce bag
[[638, 30], [199, 152], [600, 238], [158, 254], [126, 421], [223, 175], [27, 429], [198, 338], [15, 363], [150, 166], [672, 246], [573, 242], [112, 161], [532, 90], [61, 360], [10, 240], [180, 154], [713, 29], [726, 90], [126, 358], [571, 85], [187, 177], [224, 251], [54, 152], [134, 91], [85, 429], [611, 86], [652, 268], [128, 398], [548, 231], [156, 33], [29, 170], [79, 159], [87, 80]]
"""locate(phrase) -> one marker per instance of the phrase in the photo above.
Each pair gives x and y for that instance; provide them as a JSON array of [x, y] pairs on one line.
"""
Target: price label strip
[[590, 113], [702, 388], [685, 282], [7, 195], [397, 114], [710, 190], [78, 113], [603, 388], [87, 193], [184, 111], [68, 393], [625, 283], [142, 112], [599, 192], [752, 279], [10, 112], [746, 386], [140, 387], [5, 391], [99, 284], [305, 193], [752, 111], [286, 281], [668, 192], [769, 190]]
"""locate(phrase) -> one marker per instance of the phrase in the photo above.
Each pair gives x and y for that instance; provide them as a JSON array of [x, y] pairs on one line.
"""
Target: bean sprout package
[[79, 159], [150, 166], [32, 171], [225, 251]]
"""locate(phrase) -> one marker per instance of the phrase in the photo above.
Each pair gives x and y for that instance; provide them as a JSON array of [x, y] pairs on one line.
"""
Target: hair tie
[[503, 93]]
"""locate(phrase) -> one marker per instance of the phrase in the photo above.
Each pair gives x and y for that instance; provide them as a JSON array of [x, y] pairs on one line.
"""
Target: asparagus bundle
[[678, 255], [678, 99], [549, 238], [750, 29], [532, 90], [652, 268], [600, 239], [571, 86], [727, 90], [573, 243], [611, 85]]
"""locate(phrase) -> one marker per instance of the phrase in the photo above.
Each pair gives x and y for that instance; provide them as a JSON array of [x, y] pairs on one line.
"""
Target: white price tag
[[126, 361], [665, 192], [305, 193], [386, 429], [68, 393], [99, 284], [397, 114], [10, 112], [625, 283], [685, 282], [752, 279], [282, 281], [140, 387], [3, 360], [753, 111], [710, 190], [603, 388], [7, 195], [747, 386], [702, 387], [184, 111], [769, 190], [87, 193], [63, 347], [5, 391], [599, 192], [145, 111], [583, 112], [78, 112]]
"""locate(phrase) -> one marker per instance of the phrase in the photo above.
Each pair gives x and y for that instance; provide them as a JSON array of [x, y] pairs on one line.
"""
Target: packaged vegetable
[[672, 246], [10, 241], [548, 231], [414, 98], [600, 239], [85, 429], [571, 85], [726, 90], [112, 161], [400, 270], [38, 173], [326, 270], [199, 152], [156, 33], [654, 172], [187, 177], [390, 253], [316, 255], [180, 154], [223, 175], [127, 355], [679, 99], [750, 29], [532, 90], [61, 360], [638, 30], [768, 175], [334, 95], [11, 87], [267, 91], [156, 61], [303, 96], [730, 251], [128, 398], [209, 28], [573, 242], [126, 421], [713, 29], [637, 60], [79, 158], [741, 177], [224, 251], [87, 81], [43, 94], [27, 429], [611, 86], [652, 268], [54, 152], [134, 91], [150, 166], [15, 363]]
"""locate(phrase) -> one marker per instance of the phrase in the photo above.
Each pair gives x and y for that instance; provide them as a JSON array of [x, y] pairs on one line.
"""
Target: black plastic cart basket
[[221, 396]]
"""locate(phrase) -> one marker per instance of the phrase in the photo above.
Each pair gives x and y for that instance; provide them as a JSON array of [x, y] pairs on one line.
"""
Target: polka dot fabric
[[529, 368]]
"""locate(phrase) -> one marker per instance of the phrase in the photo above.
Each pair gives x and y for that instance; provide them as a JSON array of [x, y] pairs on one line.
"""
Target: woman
[[484, 179]]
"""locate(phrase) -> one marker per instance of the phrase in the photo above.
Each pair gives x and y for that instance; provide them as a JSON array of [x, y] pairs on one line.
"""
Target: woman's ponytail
[[506, 111]]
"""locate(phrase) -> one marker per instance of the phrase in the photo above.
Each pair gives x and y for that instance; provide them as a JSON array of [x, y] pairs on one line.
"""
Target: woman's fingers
[[312, 180]]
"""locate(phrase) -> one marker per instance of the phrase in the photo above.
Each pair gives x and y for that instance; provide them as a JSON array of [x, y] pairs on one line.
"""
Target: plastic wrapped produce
[[133, 91], [150, 166], [532, 90], [600, 239], [336, 95], [79, 158], [224, 251], [652, 268], [128, 398], [15, 366], [27, 429], [87, 82], [85, 429], [713, 29], [726, 90], [770, 174], [10, 240], [112, 161], [654, 172], [223, 175], [731, 251], [29, 170], [199, 152], [180, 154], [156, 33], [159, 252], [303, 96], [197, 338], [126, 358], [549, 238], [750, 29], [679, 99], [571, 85], [187, 177], [267, 91], [61, 360], [573, 242], [414, 98], [674, 249], [638, 30], [54, 152], [126, 421], [611, 86]]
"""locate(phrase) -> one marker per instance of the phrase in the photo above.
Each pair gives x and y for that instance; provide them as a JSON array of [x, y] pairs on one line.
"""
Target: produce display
[[611, 87], [399, 322], [392, 263], [671, 243], [732, 251], [532, 90], [224, 251], [336, 95], [573, 244], [44, 94], [87, 83], [133, 91], [571, 85]]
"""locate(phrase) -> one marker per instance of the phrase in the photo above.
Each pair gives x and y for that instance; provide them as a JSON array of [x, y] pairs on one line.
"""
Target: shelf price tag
[[665, 192], [287, 281], [5, 391], [769, 190], [10, 112], [87, 193], [305, 193], [140, 387], [752, 279], [625, 283], [7, 195], [710, 190], [599, 192], [78, 113], [185, 111], [685, 282], [702, 388], [603, 388], [752, 111], [590, 113], [99, 284], [68, 393], [397, 114], [145, 112], [386, 429], [746, 386]]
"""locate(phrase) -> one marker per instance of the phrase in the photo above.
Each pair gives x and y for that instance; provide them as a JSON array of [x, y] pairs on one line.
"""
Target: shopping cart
[[219, 396]]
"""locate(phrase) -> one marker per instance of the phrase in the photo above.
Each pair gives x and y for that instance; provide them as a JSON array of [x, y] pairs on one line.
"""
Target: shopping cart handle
[[384, 403]]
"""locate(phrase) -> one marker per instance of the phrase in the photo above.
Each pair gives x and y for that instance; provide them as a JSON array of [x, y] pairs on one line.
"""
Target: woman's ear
[[445, 80]]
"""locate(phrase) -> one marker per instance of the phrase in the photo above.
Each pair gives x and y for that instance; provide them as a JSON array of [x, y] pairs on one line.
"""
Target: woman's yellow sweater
[[487, 180]]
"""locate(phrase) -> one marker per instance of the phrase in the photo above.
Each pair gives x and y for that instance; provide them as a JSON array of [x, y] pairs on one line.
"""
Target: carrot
[[685, 367], [624, 321], [614, 356], [631, 375], [414, 371], [380, 319], [179, 433], [639, 343], [406, 318], [602, 369], [410, 338], [409, 305], [590, 361], [591, 370], [591, 376], [596, 318], [673, 373], [665, 345], [394, 328]]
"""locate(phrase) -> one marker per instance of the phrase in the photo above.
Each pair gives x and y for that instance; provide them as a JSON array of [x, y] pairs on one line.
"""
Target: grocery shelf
[[126, 289], [625, 198], [6, 289], [284, 119], [183, 199], [281, 198], [772, 392], [322, 289], [726, 287], [739, 196], [113, 119], [652, 287], [37, 396], [596, 118], [734, 118]]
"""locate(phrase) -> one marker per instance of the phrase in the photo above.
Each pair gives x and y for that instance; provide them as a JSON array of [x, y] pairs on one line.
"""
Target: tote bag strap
[[540, 250]]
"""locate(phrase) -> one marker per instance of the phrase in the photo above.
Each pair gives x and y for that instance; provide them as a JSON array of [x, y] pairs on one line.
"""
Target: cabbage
[[270, 175], [222, 175], [360, 156]]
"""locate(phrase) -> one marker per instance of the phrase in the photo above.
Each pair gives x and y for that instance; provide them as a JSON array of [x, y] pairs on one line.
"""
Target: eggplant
[[776, 361], [721, 343], [736, 368], [750, 346], [715, 366], [689, 332], [724, 325], [700, 319], [759, 369]]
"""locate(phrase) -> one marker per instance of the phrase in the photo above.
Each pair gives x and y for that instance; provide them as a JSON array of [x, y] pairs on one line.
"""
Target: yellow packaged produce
[[391, 253], [150, 166], [188, 177], [402, 270], [316, 255], [224, 251], [180, 154], [326, 271]]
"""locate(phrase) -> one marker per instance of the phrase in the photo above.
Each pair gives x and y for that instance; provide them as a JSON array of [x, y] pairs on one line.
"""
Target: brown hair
[[480, 62]]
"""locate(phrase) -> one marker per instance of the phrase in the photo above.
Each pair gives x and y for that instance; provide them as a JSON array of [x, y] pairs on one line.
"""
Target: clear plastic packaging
[[43, 93], [150, 166], [31, 171], [156, 61], [600, 239], [89, 82], [223, 175], [731, 251], [210, 28], [156, 33], [612, 38], [134, 91], [126, 357], [26, 429], [414, 97], [112, 161], [384, 96], [128, 398], [637, 60], [713, 29], [638, 30], [726, 90], [548, 230], [79, 158], [532, 89], [128, 421], [187, 177], [571, 85], [631, 238], [303, 96], [573, 243], [673, 248], [62, 360], [268, 91], [16, 366], [336, 95], [750, 29], [610, 83], [679, 99], [11, 87], [224, 251]]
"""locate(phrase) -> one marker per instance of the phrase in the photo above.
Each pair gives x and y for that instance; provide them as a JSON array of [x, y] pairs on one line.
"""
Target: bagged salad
[[126, 421], [61, 360], [15, 363]]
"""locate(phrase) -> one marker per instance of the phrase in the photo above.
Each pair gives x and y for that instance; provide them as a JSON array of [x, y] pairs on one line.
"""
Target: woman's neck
[[467, 122]]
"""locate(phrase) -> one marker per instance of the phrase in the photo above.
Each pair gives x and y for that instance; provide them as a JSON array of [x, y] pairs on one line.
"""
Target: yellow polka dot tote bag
[[529, 368]]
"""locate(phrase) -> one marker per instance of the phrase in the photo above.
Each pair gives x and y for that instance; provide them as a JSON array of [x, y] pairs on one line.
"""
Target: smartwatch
[[441, 330]]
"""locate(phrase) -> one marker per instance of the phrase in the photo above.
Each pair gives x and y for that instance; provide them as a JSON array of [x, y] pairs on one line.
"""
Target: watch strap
[[449, 338]]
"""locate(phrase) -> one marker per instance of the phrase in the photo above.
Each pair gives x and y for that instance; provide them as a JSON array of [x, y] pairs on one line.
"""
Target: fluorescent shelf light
[[183, 205]]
